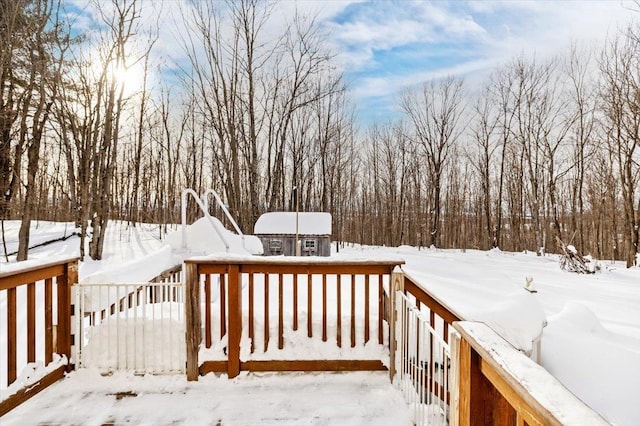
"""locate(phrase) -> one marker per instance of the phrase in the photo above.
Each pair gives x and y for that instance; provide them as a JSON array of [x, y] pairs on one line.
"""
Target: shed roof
[[309, 223]]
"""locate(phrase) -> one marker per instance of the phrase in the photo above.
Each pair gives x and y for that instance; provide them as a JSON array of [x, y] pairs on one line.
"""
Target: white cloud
[[487, 34], [380, 27]]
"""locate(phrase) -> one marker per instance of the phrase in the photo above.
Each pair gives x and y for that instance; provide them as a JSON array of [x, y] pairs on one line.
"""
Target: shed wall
[[288, 247]]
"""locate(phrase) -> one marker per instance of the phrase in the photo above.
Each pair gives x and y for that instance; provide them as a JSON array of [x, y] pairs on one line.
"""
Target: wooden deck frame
[[490, 394], [346, 271], [57, 339]]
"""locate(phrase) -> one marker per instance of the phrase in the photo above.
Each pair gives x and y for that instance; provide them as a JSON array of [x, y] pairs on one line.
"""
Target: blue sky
[[387, 46]]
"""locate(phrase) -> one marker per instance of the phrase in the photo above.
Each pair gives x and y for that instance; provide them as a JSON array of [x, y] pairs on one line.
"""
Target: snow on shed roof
[[309, 223]]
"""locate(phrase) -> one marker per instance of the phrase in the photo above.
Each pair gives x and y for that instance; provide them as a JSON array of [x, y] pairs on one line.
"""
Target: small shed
[[277, 231]]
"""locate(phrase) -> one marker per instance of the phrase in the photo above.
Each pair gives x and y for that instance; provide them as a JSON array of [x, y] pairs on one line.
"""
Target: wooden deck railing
[[354, 286], [485, 389], [493, 376], [358, 301], [44, 289]]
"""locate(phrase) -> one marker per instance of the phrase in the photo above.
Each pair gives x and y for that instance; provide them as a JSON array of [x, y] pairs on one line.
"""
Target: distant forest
[[545, 148]]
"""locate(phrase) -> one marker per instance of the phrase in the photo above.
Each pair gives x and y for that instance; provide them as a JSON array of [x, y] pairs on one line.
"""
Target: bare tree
[[42, 52], [482, 159], [621, 105], [582, 98], [435, 114]]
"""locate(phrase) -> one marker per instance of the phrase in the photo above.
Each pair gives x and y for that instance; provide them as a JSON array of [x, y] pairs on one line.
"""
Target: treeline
[[544, 149]]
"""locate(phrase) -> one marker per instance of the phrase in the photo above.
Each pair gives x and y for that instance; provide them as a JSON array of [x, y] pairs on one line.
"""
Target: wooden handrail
[[435, 304], [230, 271], [492, 390], [57, 337], [34, 273]]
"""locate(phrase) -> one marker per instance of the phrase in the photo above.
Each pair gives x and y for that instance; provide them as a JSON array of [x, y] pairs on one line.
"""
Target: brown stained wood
[[324, 308], [63, 315], [207, 311], [235, 321], [32, 274], [24, 394], [193, 319], [12, 336], [223, 305], [314, 365], [480, 402], [445, 330], [251, 313], [266, 312], [381, 309], [48, 321], [521, 407], [309, 305], [497, 377], [339, 310], [315, 267], [433, 304], [366, 309], [213, 367], [31, 322], [295, 302], [464, 387], [71, 277], [208, 268], [171, 275], [353, 311], [280, 311]]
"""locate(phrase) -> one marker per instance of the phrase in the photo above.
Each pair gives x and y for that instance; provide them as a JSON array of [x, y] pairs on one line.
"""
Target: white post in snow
[[295, 189], [183, 205]]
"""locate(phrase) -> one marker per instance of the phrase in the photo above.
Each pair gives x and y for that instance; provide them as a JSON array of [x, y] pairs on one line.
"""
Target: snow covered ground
[[591, 343]]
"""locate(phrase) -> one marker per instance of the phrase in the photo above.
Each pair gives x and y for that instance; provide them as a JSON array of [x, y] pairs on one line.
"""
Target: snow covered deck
[[127, 388], [85, 397]]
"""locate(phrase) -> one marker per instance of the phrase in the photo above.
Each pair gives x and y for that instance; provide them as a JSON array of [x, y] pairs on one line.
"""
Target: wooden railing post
[[72, 279], [396, 283], [193, 321], [57, 336], [234, 332], [464, 384], [65, 310]]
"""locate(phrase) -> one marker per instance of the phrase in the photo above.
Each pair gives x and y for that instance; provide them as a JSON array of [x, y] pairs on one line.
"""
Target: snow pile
[[146, 338], [517, 317], [31, 374], [297, 344], [141, 269], [541, 385], [602, 367], [202, 239]]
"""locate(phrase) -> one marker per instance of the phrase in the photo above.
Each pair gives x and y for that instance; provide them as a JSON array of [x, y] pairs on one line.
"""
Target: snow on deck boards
[[85, 397]]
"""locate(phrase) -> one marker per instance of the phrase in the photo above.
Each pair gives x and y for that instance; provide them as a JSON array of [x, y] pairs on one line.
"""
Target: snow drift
[[202, 239]]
